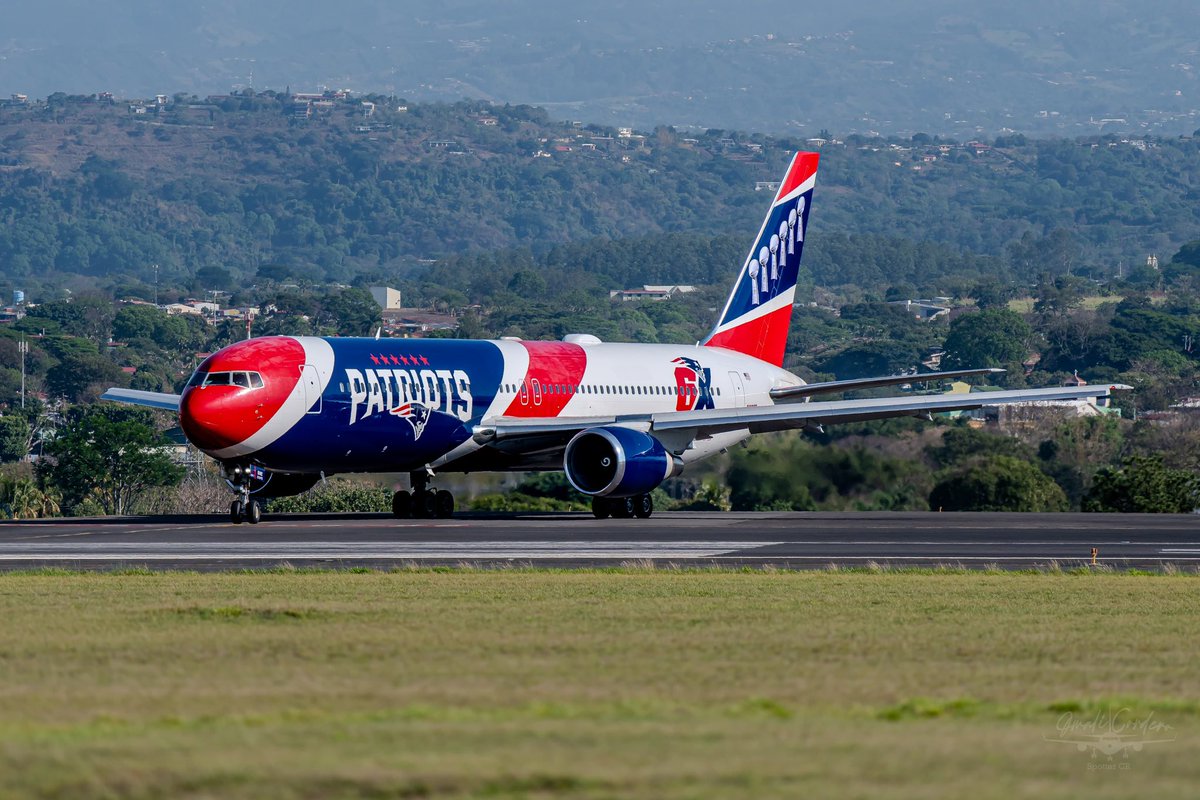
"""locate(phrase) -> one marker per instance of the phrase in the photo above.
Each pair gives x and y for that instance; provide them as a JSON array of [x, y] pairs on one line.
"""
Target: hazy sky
[[751, 64]]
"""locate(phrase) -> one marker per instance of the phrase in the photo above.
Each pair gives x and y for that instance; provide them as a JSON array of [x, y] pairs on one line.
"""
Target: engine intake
[[617, 462]]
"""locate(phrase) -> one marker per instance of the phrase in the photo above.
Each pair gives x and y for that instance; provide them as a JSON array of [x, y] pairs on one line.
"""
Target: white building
[[387, 297]]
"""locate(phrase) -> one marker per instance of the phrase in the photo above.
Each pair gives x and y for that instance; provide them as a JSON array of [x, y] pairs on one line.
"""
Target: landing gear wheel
[[253, 512], [443, 503], [402, 505], [425, 505], [235, 512], [601, 508], [643, 506], [622, 507]]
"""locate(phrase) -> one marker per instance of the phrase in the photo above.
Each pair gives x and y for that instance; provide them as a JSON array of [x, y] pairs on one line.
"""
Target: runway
[[782, 540]]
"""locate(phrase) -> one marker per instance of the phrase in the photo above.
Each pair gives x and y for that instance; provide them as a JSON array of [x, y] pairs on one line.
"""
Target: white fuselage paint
[[637, 380]]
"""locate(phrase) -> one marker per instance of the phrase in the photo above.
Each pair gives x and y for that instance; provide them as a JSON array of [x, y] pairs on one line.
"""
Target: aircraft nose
[[236, 395], [217, 417]]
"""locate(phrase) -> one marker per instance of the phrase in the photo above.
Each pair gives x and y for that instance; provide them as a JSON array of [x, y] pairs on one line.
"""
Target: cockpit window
[[246, 380]]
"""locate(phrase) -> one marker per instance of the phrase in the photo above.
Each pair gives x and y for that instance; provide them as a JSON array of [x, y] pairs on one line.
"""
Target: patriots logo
[[694, 385], [417, 416]]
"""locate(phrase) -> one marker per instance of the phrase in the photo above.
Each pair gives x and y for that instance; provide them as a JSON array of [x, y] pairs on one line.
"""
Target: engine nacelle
[[617, 462]]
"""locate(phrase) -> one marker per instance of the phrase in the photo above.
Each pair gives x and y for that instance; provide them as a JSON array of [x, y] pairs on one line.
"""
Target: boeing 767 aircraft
[[279, 412]]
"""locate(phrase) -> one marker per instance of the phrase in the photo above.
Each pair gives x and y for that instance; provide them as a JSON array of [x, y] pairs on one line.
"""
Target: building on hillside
[[1075, 380], [650, 292], [387, 297], [180, 308], [415, 322], [924, 310]]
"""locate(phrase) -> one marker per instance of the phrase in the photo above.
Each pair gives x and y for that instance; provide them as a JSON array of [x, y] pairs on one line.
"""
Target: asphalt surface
[[785, 540]]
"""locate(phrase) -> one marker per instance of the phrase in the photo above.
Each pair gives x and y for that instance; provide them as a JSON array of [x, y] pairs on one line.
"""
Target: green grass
[[600, 684]]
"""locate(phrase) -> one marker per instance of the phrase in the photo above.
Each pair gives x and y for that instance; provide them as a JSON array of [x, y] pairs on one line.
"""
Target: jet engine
[[617, 462]]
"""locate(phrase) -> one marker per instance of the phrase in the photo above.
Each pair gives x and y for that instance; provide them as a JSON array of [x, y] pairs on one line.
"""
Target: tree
[[350, 312], [961, 444], [108, 454], [21, 498], [14, 438], [996, 337], [1059, 295], [1000, 483], [78, 377], [869, 359], [1144, 484]]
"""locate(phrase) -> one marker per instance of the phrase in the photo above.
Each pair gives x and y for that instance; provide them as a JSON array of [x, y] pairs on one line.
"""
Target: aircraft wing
[[783, 416], [787, 394], [136, 397], [760, 419]]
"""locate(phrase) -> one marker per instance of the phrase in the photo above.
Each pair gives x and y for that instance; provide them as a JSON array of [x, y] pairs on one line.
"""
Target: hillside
[[96, 194]]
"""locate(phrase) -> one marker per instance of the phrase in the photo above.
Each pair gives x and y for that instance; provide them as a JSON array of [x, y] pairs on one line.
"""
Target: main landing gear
[[422, 502], [639, 505]]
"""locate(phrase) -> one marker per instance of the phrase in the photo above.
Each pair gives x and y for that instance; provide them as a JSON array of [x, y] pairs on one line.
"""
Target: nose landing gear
[[423, 502], [245, 508], [245, 511]]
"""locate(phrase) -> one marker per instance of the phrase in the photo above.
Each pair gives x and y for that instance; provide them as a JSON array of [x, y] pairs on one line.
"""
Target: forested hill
[[216, 191]]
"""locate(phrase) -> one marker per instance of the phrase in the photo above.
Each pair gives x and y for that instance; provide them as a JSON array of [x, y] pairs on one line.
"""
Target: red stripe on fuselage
[[803, 168], [764, 338], [216, 417], [551, 380]]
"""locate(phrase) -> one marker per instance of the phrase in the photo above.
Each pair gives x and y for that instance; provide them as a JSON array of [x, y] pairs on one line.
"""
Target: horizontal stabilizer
[[136, 397], [786, 394]]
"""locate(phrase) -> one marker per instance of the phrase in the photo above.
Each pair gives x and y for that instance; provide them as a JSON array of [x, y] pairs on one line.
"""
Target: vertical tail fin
[[757, 314]]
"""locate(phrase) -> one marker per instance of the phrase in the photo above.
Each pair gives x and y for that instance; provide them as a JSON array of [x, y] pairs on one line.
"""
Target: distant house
[[412, 322], [924, 310], [650, 292], [180, 308]]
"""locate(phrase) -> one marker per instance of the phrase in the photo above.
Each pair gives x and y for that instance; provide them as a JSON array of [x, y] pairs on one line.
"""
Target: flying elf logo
[[693, 385], [416, 414]]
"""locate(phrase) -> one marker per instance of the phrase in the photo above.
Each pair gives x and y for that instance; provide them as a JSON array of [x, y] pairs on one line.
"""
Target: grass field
[[622, 684]]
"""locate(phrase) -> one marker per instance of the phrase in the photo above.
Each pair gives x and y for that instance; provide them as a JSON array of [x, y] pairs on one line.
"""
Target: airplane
[[1109, 743], [280, 413]]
